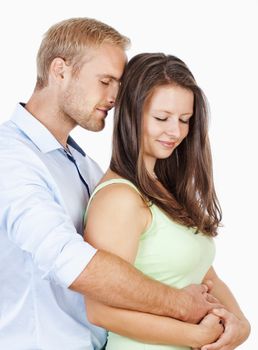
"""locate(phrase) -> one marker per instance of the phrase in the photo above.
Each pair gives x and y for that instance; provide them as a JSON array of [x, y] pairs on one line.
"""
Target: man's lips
[[103, 110]]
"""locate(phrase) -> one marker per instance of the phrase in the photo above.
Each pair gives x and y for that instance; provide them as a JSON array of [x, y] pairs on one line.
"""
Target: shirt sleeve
[[33, 219]]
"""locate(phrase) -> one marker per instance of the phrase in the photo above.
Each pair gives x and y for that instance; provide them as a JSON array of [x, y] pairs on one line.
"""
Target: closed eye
[[104, 82], [161, 119], [184, 121]]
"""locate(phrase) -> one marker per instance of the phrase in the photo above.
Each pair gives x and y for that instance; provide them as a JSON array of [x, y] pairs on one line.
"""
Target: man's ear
[[58, 68]]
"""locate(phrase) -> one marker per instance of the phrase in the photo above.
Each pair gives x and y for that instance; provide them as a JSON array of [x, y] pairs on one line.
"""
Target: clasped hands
[[231, 331]]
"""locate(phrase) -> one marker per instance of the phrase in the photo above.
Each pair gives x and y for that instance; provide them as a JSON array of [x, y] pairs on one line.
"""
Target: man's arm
[[32, 219], [112, 281]]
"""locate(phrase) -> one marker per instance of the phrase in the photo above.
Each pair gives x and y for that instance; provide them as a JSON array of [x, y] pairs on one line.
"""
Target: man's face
[[87, 96]]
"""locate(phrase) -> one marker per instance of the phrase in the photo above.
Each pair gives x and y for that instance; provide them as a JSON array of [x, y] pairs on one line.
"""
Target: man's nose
[[112, 95], [111, 101]]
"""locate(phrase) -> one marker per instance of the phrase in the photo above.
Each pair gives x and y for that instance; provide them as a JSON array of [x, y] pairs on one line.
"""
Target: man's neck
[[50, 116]]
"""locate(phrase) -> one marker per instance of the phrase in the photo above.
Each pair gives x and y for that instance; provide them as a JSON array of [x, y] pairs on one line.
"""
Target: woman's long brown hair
[[189, 197]]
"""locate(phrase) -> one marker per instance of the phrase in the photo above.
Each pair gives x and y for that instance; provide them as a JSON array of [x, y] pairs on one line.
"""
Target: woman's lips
[[167, 144]]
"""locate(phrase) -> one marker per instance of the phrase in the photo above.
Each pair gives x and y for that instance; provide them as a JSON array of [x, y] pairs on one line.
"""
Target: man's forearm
[[114, 282]]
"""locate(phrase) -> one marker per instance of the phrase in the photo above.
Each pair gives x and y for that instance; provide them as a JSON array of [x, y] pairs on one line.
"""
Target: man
[[46, 180]]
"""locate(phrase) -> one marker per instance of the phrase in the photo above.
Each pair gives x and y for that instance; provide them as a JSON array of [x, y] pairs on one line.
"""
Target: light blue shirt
[[42, 204]]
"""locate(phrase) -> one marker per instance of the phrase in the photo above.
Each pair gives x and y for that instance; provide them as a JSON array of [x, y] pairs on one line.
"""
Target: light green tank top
[[170, 253]]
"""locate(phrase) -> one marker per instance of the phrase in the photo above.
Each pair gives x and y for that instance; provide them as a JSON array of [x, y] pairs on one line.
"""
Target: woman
[[156, 206]]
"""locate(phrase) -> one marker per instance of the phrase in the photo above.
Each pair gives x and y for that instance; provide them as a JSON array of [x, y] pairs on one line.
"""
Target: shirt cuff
[[71, 261]]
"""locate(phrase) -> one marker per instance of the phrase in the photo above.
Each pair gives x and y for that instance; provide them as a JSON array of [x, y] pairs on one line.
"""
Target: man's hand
[[197, 302], [235, 333]]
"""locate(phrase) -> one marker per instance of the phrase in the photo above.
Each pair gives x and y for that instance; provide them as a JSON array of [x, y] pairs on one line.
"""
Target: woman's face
[[166, 115]]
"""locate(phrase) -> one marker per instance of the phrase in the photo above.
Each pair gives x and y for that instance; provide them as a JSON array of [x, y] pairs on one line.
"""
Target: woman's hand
[[235, 332], [209, 330]]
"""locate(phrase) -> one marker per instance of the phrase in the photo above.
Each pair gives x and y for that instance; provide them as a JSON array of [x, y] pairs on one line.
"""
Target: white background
[[217, 40]]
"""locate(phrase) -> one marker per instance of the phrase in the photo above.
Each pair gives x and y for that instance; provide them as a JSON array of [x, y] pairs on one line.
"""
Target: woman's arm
[[116, 218], [154, 329], [237, 327]]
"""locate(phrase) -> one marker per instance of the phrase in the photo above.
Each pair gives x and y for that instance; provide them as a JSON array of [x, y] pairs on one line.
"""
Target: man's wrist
[[178, 302]]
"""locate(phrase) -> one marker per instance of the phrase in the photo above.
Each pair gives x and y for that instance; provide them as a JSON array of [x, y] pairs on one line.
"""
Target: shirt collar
[[37, 132]]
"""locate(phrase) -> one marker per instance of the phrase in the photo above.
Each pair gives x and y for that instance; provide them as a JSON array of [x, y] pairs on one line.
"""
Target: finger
[[211, 317], [218, 345], [215, 304], [204, 288], [223, 348], [211, 299], [222, 313], [209, 284]]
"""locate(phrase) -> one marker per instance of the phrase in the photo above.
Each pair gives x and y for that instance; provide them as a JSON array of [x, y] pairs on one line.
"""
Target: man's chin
[[94, 127]]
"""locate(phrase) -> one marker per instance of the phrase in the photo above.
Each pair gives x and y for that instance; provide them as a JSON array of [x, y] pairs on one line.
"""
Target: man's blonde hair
[[68, 40]]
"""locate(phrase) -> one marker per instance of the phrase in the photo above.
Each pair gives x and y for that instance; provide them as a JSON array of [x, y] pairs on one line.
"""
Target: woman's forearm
[[153, 329], [223, 293]]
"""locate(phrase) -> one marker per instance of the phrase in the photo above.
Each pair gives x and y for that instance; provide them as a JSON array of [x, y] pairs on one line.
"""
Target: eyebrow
[[167, 112]]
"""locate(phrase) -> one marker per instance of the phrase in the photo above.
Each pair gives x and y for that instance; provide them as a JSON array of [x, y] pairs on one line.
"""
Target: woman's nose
[[173, 129]]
